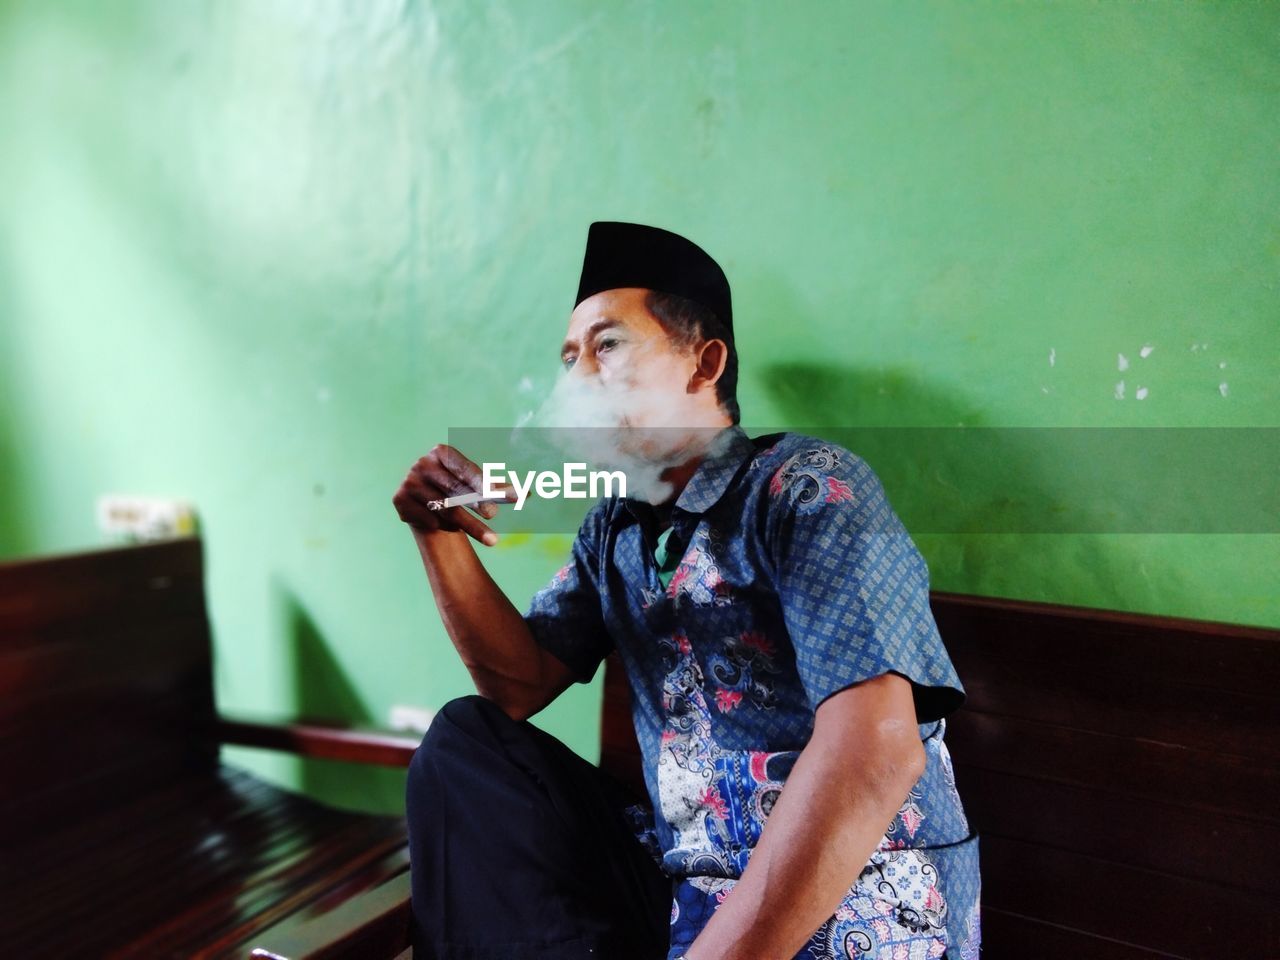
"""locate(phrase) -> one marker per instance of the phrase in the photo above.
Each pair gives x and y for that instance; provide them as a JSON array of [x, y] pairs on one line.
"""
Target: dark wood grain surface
[[1123, 771], [121, 834]]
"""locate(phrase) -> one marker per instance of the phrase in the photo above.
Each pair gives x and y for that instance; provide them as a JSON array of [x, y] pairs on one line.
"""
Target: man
[[773, 618]]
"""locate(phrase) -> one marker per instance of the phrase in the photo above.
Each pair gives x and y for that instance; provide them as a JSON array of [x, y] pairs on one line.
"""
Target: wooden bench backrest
[[1123, 770], [106, 684]]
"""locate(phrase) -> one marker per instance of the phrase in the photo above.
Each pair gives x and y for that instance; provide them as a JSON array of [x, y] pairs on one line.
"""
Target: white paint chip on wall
[[1120, 390], [1122, 362], [1141, 393], [1053, 356], [1145, 351], [1222, 388]]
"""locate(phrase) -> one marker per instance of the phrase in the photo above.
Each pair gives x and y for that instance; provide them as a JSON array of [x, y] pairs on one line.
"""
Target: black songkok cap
[[634, 255]]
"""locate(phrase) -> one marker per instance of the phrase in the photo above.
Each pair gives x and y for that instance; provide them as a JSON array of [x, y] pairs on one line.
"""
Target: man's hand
[[490, 635], [444, 472]]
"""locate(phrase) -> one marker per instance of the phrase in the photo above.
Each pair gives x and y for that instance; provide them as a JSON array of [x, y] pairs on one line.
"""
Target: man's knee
[[470, 711], [458, 727]]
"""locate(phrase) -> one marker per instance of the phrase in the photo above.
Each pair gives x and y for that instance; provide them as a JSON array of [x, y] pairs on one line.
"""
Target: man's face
[[615, 347]]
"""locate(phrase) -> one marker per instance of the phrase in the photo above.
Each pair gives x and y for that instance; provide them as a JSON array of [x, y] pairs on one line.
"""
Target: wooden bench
[[1124, 772], [122, 833]]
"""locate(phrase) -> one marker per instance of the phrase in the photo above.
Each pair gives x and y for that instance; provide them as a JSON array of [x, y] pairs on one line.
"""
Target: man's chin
[[665, 445]]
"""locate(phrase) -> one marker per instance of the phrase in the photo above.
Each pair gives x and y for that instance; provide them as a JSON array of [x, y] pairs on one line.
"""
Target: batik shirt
[[796, 579]]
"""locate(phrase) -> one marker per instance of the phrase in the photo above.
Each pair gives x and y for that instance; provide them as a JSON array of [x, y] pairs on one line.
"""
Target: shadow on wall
[[16, 536], [1005, 482], [1021, 473], [324, 692]]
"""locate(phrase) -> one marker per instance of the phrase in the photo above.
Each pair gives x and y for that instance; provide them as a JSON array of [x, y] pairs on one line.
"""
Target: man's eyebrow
[[604, 323]]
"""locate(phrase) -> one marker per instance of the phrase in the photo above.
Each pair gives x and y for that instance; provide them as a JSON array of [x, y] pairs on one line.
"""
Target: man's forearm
[[490, 635], [828, 820]]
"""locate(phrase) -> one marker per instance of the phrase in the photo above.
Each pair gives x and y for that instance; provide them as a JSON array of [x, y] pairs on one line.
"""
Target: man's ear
[[709, 363]]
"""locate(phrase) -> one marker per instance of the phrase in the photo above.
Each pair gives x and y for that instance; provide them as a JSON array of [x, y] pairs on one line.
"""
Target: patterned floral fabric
[[796, 579]]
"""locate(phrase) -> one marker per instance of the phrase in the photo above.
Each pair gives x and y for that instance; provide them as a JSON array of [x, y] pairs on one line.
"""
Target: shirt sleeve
[[566, 616], [853, 587]]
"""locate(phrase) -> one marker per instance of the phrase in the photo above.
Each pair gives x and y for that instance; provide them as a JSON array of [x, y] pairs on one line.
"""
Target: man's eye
[[607, 343], [568, 361]]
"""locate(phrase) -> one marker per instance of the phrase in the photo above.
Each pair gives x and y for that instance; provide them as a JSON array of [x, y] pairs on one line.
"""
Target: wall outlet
[[145, 518], [415, 719]]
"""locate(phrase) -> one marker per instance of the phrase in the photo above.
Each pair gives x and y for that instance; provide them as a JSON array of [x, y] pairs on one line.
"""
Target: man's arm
[[843, 792], [491, 637]]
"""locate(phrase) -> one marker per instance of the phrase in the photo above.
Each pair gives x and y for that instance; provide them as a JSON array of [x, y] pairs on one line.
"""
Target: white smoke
[[640, 430]]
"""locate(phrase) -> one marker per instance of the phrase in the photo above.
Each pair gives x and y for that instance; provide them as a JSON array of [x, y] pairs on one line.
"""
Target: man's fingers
[[444, 473], [461, 475], [489, 508], [454, 518], [472, 525], [416, 510], [469, 476]]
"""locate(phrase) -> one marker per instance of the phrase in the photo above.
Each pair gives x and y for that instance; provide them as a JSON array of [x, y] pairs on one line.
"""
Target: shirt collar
[[711, 479]]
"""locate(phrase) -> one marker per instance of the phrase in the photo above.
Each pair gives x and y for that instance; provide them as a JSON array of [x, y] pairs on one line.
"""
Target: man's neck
[[678, 476]]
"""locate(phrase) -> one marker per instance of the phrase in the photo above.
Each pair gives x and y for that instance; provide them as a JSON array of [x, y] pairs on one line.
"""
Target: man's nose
[[585, 368]]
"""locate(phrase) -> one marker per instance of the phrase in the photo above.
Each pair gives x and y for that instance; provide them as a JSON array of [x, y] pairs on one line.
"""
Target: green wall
[[264, 254]]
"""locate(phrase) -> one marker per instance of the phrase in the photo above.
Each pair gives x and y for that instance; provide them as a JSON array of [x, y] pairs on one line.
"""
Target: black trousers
[[519, 850]]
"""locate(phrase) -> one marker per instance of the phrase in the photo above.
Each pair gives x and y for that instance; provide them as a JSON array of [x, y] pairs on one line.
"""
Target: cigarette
[[463, 500]]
